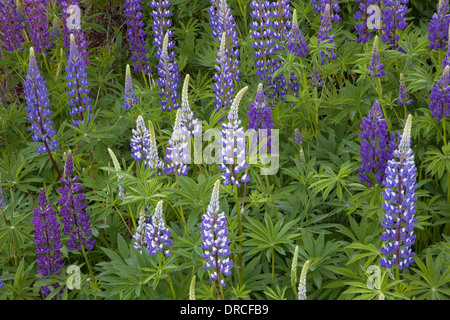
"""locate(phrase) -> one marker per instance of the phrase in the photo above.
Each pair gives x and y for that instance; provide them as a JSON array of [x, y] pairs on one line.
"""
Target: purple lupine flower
[[10, 25], [177, 153], [296, 43], [224, 84], [393, 19], [140, 142], [440, 96], [403, 95], [73, 210], [320, 6], [446, 60], [2, 197], [298, 137], [153, 160], [438, 27], [47, 237], [191, 125], [72, 27], [136, 34], [139, 235], [38, 108], [376, 146], [130, 98], [215, 242], [364, 33], [399, 205], [326, 36], [78, 85], [37, 24], [262, 33], [232, 153], [157, 235], [169, 77], [316, 78], [376, 67]]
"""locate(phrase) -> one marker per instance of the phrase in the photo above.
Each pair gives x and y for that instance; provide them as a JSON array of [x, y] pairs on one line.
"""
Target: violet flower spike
[[326, 36], [130, 99], [140, 142], [399, 205], [73, 210], [47, 237], [296, 43], [364, 33], [38, 108], [136, 34], [153, 160], [224, 84], [10, 25], [393, 20], [298, 137], [139, 236], [320, 6], [191, 125], [37, 25], [78, 85], [440, 96], [177, 153], [438, 27], [376, 67], [446, 60], [157, 235], [215, 242], [403, 95]]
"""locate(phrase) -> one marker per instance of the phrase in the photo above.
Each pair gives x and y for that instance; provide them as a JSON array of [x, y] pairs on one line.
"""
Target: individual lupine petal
[[232, 153], [169, 77], [136, 34], [47, 237], [177, 153], [117, 168], [302, 281], [157, 234], [298, 137], [376, 145], [438, 27], [10, 25], [130, 98], [326, 36], [376, 67], [78, 84], [73, 210], [215, 242], [36, 97], [187, 116], [393, 20], [37, 25], [403, 95], [296, 43], [364, 33], [440, 96], [399, 205]]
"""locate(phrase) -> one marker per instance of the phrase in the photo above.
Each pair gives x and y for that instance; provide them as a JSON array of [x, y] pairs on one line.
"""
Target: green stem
[[238, 212], [132, 217], [169, 278], [87, 262], [145, 79]]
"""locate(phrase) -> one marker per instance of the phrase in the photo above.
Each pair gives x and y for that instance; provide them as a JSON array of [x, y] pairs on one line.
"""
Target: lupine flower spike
[[73, 210], [157, 235], [188, 122], [139, 236], [364, 33], [215, 240], [47, 237], [320, 6], [446, 60], [298, 137], [376, 67], [233, 153], [224, 84], [399, 205], [296, 43], [403, 95], [130, 99], [440, 96], [438, 27], [326, 36], [302, 282], [177, 153], [117, 167], [153, 160], [37, 25], [10, 25], [78, 85], [376, 146], [393, 20]]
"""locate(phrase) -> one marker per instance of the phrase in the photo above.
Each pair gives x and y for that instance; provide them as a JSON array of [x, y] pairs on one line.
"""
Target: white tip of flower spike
[[185, 91], [405, 141], [192, 289], [233, 114], [114, 160], [302, 282], [294, 19]]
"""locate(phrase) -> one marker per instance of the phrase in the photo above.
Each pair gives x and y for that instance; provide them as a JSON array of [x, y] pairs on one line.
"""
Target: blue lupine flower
[[191, 125], [393, 19], [233, 153], [73, 209], [298, 137], [399, 205], [37, 25], [130, 98], [153, 160], [78, 84], [326, 36], [316, 79], [403, 95], [140, 142], [10, 25], [438, 27], [157, 235], [136, 34], [224, 84], [376, 146], [215, 239], [177, 153], [364, 33], [38, 108], [440, 96], [47, 237], [296, 43], [139, 236], [320, 6], [376, 67]]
